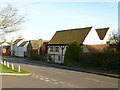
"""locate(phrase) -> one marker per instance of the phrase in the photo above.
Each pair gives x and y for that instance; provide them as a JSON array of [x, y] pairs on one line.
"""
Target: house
[[84, 36], [43, 50], [14, 46], [33, 47], [5, 46], [37, 49], [22, 49], [96, 48], [98, 36]]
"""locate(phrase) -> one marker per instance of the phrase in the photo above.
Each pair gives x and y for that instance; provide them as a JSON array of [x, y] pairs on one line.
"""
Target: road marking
[[55, 83], [70, 85], [41, 78], [100, 81], [53, 79], [47, 80]]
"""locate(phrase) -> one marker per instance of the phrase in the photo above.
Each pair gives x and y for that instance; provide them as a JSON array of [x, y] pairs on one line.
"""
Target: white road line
[[70, 85], [55, 83], [100, 81], [47, 80], [41, 78], [53, 79]]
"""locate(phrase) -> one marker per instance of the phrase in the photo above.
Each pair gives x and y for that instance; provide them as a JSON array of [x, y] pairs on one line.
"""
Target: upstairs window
[[51, 49], [56, 49]]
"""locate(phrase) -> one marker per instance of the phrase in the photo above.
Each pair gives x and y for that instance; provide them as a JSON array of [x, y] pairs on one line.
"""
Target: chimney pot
[[20, 37], [4, 40]]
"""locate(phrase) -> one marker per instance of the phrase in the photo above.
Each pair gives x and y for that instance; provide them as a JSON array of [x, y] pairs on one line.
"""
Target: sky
[[44, 18]]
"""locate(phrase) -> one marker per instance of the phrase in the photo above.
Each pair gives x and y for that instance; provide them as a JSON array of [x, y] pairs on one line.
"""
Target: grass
[[5, 69], [18, 57]]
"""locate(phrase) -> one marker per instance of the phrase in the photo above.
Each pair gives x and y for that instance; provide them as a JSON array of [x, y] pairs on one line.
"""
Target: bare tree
[[10, 21]]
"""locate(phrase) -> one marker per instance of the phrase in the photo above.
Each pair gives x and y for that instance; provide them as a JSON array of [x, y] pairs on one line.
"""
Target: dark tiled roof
[[6, 47], [36, 43], [102, 32], [23, 43], [6, 42], [67, 36], [96, 48], [16, 41]]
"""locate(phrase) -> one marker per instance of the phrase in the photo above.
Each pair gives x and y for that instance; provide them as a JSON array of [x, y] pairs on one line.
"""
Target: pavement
[[47, 76]]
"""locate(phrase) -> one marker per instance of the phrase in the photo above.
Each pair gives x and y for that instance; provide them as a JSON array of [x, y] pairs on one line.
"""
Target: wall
[[93, 38], [56, 55], [15, 48], [21, 50]]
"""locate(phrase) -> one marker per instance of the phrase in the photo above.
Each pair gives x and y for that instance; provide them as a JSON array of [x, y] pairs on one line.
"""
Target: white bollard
[[19, 68], [7, 64], [12, 67]]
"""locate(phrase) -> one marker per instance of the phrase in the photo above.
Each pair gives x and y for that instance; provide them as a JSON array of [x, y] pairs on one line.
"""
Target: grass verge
[[5, 69], [18, 57]]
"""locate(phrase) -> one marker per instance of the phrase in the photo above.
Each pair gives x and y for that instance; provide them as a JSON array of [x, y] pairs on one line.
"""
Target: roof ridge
[[74, 29], [103, 28]]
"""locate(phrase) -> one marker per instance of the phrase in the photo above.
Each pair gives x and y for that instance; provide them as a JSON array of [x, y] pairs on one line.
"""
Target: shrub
[[72, 52], [104, 61]]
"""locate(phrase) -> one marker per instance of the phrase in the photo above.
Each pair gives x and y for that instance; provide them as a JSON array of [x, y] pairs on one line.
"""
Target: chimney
[[4, 40], [11, 41], [20, 37]]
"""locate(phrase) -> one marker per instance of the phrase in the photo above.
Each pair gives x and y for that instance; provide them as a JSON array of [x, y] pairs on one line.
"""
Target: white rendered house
[[14, 46], [84, 36], [22, 49]]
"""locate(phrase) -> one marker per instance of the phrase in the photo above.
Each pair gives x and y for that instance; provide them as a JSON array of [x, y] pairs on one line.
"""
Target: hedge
[[106, 61]]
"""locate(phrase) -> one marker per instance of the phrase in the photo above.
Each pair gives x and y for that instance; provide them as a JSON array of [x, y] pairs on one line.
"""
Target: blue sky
[[45, 18]]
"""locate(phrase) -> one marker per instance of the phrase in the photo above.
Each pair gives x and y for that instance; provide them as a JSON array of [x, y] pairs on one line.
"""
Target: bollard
[[12, 67], [7, 64], [19, 68]]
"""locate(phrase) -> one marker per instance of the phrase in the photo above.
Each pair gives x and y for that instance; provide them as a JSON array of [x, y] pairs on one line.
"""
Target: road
[[50, 77]]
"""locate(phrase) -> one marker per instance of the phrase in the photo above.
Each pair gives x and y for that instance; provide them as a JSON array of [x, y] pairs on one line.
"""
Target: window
[[50, 58], [56, 49], [58, 58], [51, 49]]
